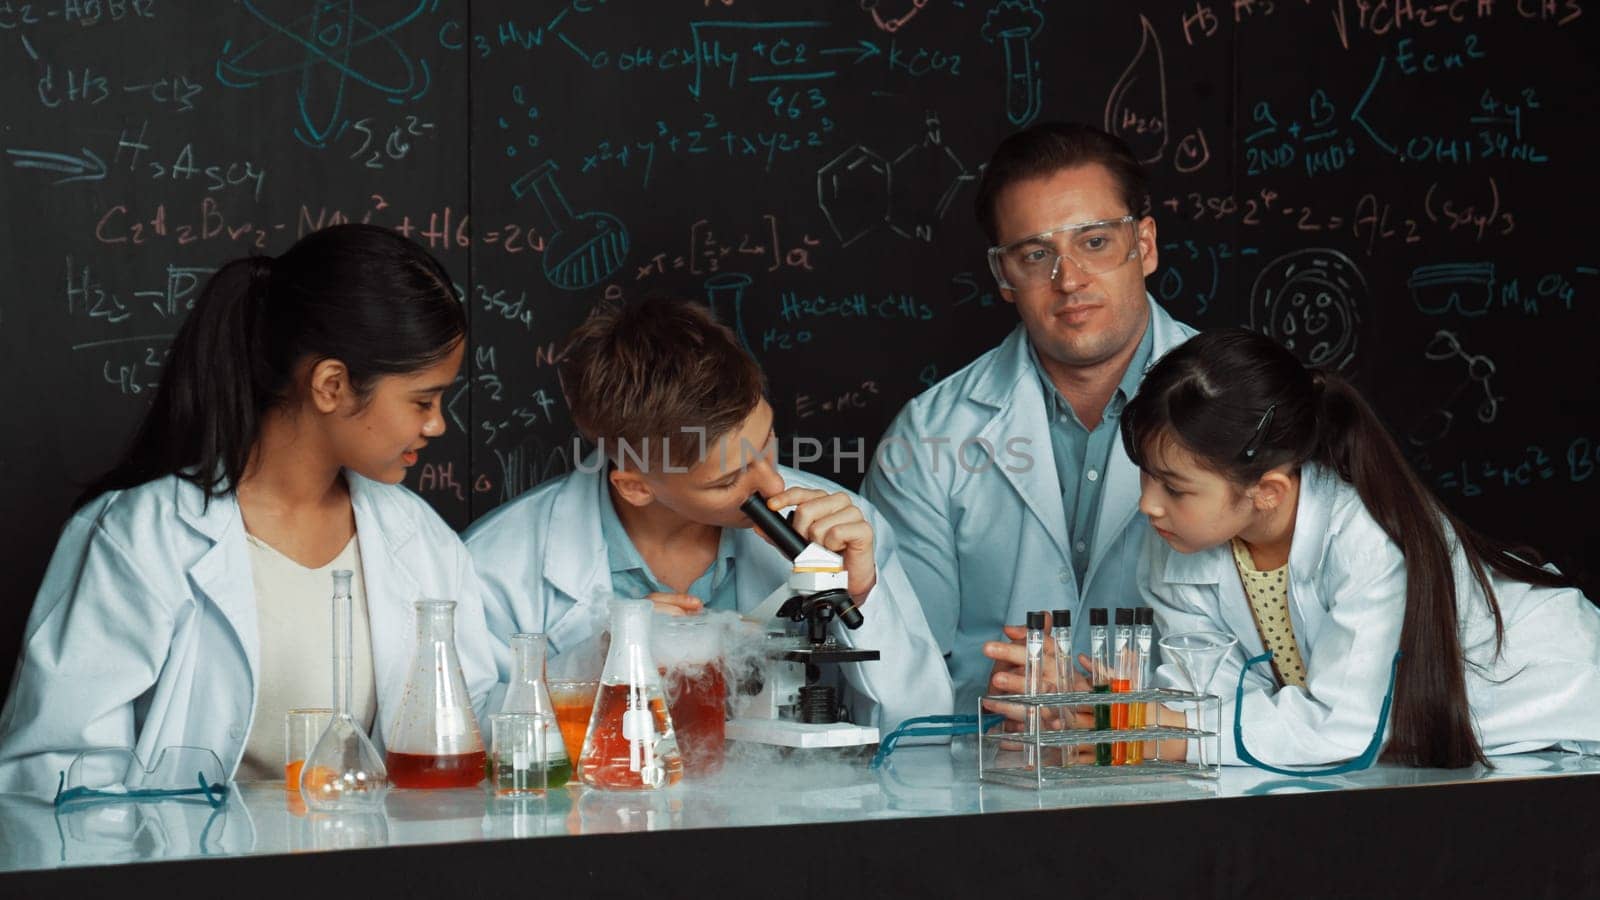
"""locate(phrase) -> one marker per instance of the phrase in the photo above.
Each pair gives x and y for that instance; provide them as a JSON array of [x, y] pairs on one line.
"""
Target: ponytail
[[206, 412], [357, 293], [1209, 392]]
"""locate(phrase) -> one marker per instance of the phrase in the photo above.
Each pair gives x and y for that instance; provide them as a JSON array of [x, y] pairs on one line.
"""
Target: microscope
[[785, 704]]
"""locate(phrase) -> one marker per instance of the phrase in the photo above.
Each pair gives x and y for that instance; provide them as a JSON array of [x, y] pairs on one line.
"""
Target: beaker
[[689, 651], [630, 744], [435, 742], [517, 762], [343, 772], [527, 694], [302, 728]]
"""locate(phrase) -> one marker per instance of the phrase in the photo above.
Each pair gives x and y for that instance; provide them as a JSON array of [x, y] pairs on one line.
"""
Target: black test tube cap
[[1097, 615], [1124, 616], [774, 526], [1144, 615], [1060, 618], [1036, 621]]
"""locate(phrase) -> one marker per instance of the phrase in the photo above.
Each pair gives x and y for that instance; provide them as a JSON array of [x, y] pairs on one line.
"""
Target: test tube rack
[[1030, 752]]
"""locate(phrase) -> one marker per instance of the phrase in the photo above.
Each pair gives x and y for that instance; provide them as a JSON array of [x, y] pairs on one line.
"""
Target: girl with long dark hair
[[187, 599], [1284, 514]]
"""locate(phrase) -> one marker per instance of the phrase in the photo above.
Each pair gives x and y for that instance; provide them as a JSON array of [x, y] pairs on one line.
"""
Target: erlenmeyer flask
[[436, 742], [527, 694], [343, 772], [581, 250], [630, 744]]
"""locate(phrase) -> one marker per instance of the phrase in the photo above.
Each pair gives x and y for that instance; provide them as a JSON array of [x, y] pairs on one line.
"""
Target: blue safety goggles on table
[[115, 774]]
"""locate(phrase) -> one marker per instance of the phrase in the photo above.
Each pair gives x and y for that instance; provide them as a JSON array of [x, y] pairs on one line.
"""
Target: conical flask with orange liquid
[[436, 742], [630, 745]]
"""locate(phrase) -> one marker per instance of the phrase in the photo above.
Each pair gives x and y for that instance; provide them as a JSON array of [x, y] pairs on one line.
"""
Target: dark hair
[[1049, 147], [657, 369], [1210, 394], [360, 294]]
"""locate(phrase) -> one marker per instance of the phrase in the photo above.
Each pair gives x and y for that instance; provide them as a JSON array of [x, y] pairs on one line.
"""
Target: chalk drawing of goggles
[[1466, 289]]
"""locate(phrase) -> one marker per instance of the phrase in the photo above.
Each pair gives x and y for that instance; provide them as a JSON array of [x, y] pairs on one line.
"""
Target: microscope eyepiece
[[774, 526]]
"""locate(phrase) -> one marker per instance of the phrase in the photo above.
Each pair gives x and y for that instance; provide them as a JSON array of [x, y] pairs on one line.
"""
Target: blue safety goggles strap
[[1365, 760], [214, 793], [932, 726]]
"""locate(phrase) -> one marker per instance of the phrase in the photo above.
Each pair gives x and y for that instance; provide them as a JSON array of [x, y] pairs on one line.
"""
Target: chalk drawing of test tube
[[726, 290], [1015, 23]]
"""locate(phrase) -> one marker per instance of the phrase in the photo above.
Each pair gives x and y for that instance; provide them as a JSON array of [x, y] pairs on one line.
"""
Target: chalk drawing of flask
[[726, 290], [1016, 23], [580, 250]]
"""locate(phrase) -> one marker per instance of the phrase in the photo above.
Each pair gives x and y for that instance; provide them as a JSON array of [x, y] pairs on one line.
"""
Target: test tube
[[1032, 676], [1144, 619], [1061, 637], [1100, 678], [1121, 679]]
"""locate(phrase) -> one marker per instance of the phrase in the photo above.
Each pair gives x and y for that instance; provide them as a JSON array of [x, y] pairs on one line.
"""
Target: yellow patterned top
[[1268, 593]]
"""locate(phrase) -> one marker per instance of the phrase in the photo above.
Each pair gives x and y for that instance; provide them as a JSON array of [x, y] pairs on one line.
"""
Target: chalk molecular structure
[[860, 191]]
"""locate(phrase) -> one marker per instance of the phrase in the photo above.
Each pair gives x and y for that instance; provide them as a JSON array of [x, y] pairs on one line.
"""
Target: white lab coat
[[144, 633], [983, 548], [1347, 586], [545, 568]]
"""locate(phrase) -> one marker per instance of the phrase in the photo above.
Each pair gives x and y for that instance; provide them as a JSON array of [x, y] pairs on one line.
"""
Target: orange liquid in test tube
[[1119, 719]]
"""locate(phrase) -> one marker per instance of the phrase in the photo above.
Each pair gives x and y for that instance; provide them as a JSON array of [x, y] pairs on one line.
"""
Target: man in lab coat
[[1006, 482], [684, 437]]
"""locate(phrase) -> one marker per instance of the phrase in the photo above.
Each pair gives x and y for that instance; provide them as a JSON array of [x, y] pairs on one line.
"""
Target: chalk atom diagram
[[326, 48], [1310, 301]]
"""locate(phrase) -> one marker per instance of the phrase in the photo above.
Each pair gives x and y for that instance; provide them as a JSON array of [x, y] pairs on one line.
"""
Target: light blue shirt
[[544, 562], [985, 544], [631, 575], [1081, 455]]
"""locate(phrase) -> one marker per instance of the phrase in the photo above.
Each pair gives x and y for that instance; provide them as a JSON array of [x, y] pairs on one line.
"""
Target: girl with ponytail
[[1284, 514], [187, 600]]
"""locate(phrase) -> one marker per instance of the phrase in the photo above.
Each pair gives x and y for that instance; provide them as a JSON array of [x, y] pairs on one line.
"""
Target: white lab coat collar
[[578, 565], [1319, 489], [384, 528], [1010, 385]]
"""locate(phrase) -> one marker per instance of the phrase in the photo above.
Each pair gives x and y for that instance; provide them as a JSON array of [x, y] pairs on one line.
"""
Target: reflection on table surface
[[260, 819]]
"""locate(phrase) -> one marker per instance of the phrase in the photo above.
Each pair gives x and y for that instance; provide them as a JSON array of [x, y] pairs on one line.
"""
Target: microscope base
[[787, 733]]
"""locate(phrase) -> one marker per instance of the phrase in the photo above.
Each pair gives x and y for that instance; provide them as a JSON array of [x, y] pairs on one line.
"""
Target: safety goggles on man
[[1094, 248]]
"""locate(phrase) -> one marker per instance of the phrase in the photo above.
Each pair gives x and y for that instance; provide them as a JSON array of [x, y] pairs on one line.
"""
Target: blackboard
[[1398, 187]]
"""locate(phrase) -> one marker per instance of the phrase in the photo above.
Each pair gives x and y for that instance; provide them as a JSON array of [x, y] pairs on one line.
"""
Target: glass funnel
[[436, 742], [1197, 655], [630, 744], [343, 772], [527, 694]]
